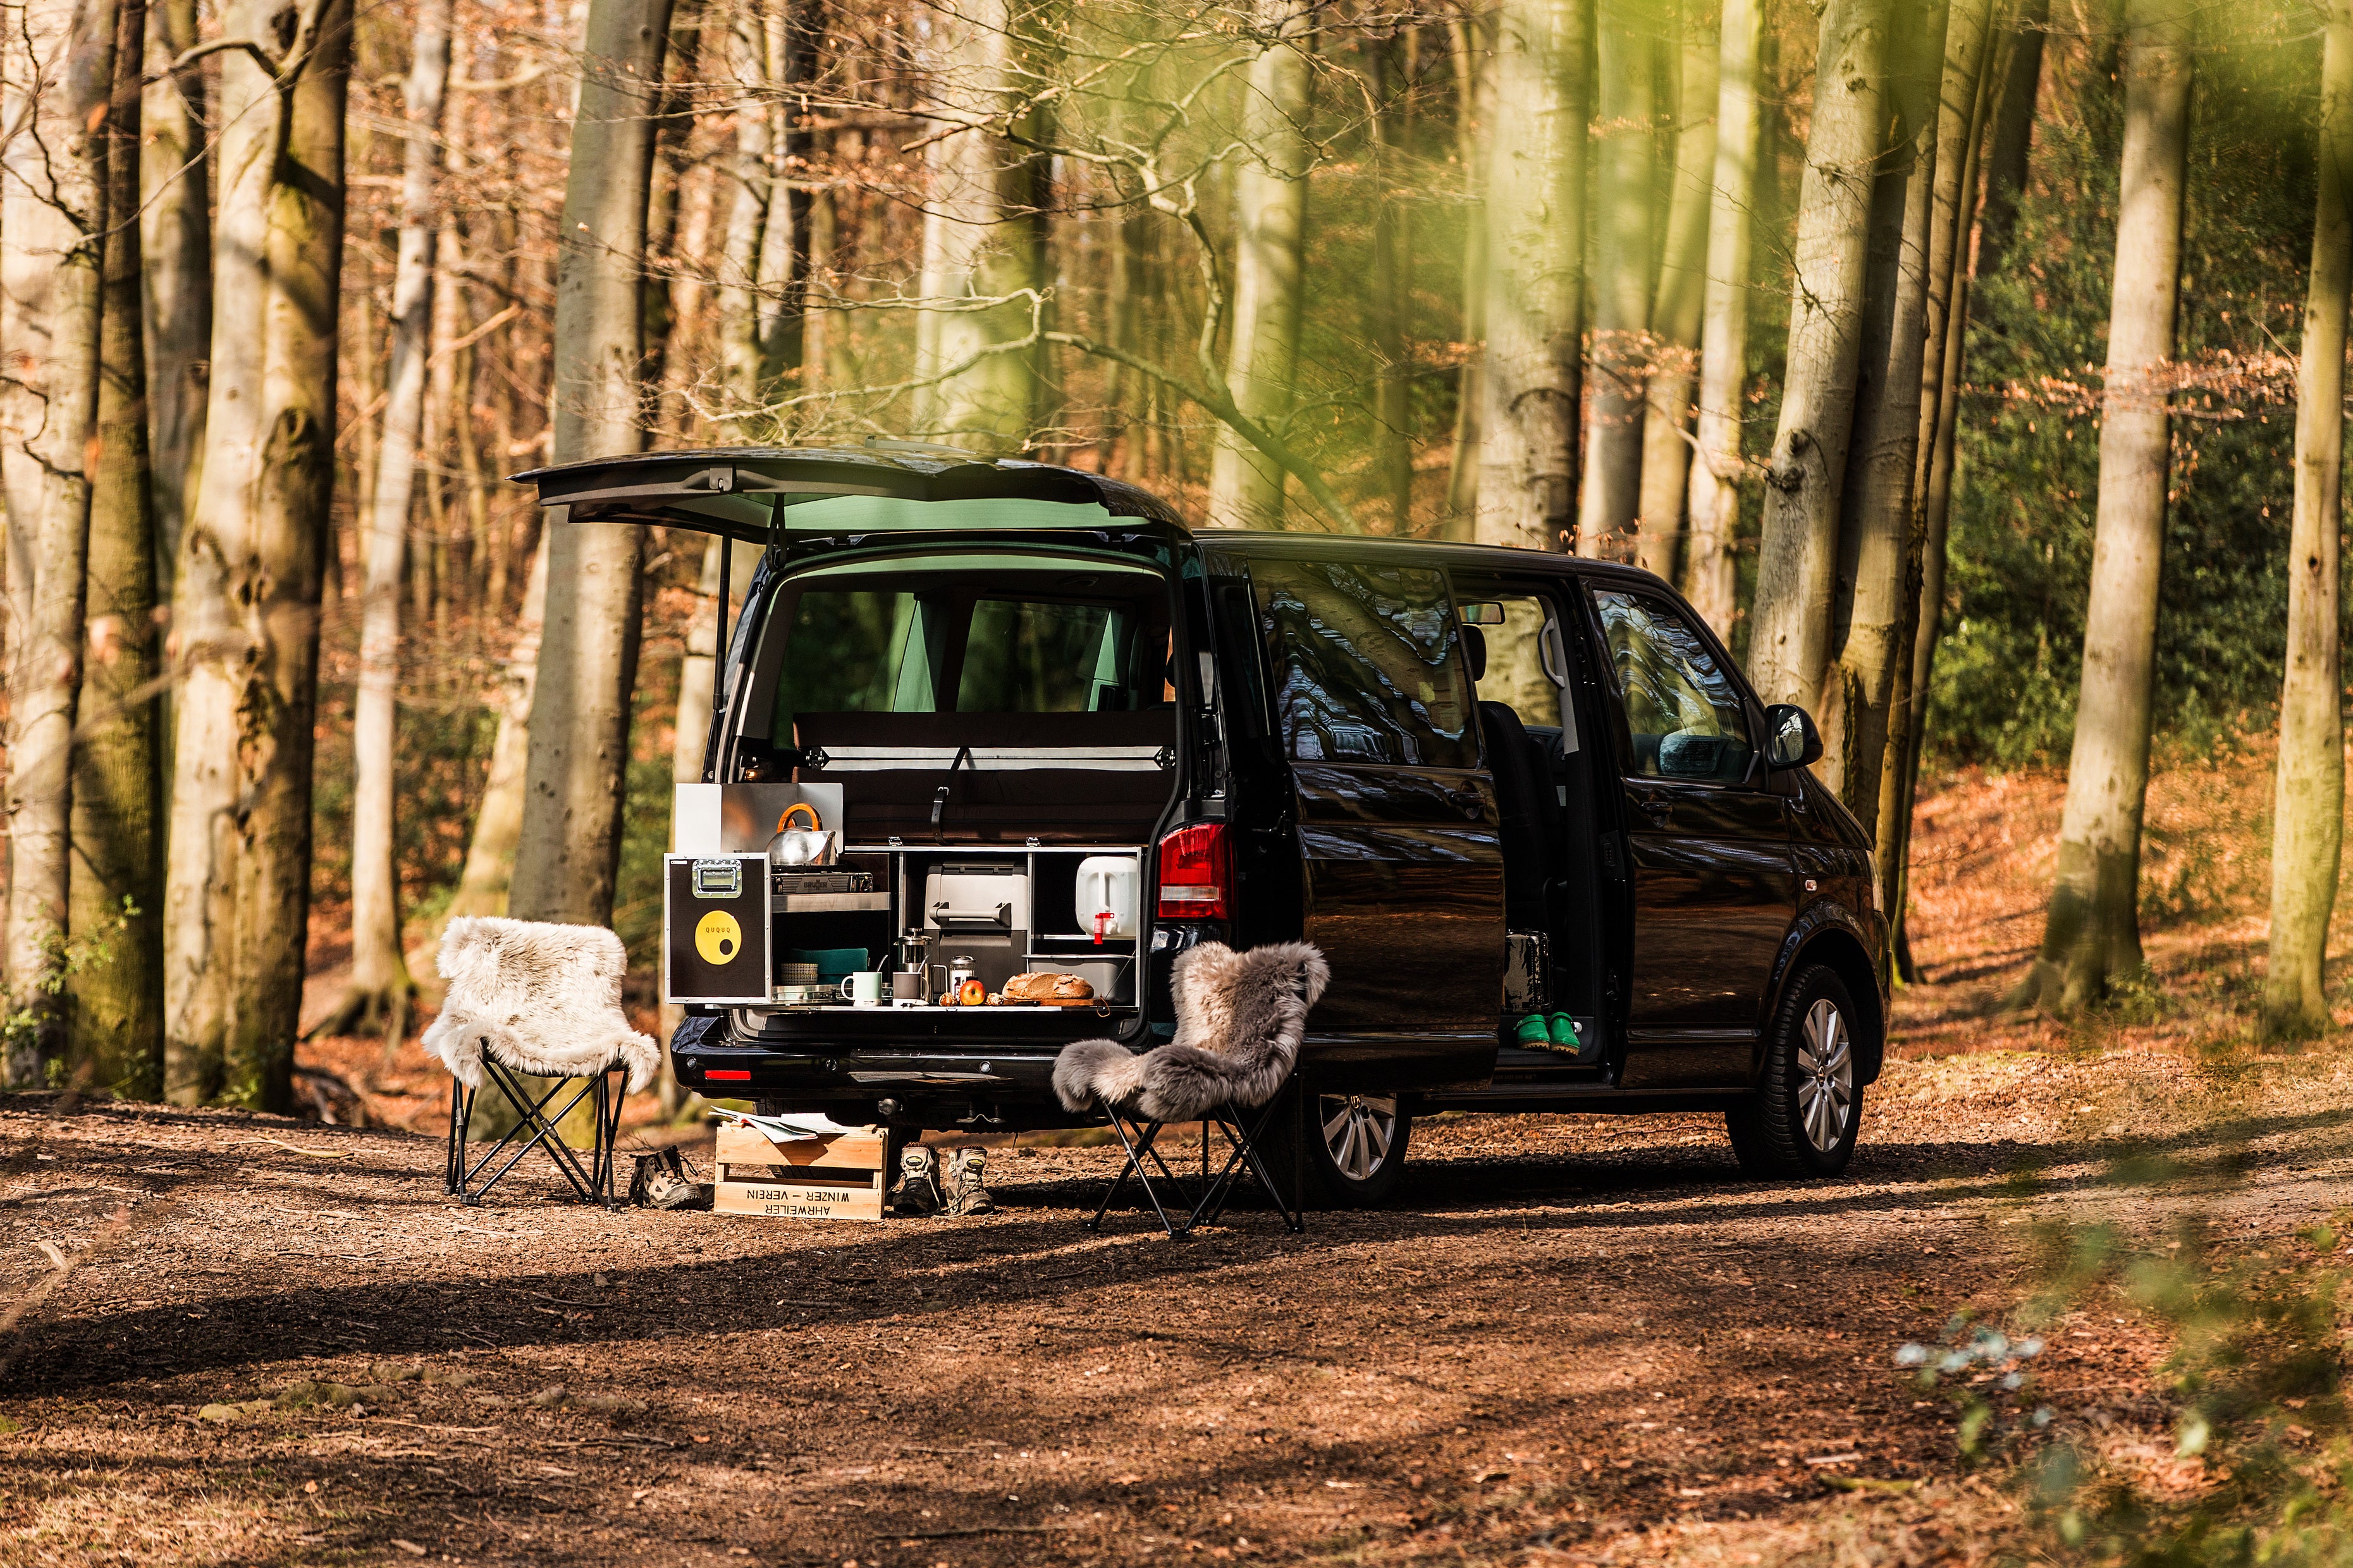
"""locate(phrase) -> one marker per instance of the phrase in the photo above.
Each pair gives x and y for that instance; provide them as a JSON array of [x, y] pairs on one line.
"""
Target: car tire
[[1807, 1107], [1346, 1151]]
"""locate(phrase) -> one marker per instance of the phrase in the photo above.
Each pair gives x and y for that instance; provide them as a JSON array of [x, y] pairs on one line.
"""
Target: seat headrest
[[1474, 643]]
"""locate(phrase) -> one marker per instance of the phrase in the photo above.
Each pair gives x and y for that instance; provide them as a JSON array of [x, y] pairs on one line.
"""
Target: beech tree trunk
[[2013, 132], [2093, 927], [2309, 801], [115, 1043], [1876, 596], [1623, 196], [380, 984], [1960, 125], [570, 845], [57, 221], [1269, 237], [1391, 303], [488, 870], [246, 597], [740, 389], [1789, 640], [980, 244], [1677, 311], [176, 256], [1473, 40], [1711, 576], [1530, 385]]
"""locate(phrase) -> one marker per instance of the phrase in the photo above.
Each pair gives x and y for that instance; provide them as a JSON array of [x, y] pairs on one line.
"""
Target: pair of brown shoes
[[928, 1185]]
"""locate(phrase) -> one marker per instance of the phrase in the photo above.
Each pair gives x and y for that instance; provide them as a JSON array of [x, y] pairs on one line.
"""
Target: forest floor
[[1570, 1340]]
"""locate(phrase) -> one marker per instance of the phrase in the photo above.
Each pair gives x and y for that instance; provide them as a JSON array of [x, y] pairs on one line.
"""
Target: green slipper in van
[[1561, 1029], [1533, 1031]]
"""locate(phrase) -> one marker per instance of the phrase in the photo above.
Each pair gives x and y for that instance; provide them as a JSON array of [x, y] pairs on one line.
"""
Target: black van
[[1558, 856]]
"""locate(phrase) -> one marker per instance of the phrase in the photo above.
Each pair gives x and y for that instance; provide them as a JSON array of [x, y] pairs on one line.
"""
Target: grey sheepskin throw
[[1239, 1017], [542, 998]]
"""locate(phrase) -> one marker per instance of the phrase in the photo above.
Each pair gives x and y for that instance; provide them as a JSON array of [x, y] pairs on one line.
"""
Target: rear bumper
[[996, 1068]]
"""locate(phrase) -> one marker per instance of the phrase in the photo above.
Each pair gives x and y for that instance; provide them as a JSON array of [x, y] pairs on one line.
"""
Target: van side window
[[1686, 717], [1365, 664]]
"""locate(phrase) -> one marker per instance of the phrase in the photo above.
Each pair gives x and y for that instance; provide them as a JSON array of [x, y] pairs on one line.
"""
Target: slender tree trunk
[[1473, 39], [739, 265], [1535, 288], [60, 360], [2309, 805], [776, 318], [1677, 312], [245, 599], [1789, 643], [1876, 595], [2093, 930], [380, 984], [1626, 110], [980, 243], [498, 821], [176, 251], [1392, 294], [116, 895], [1270, 239], [1960, 124], [2013, 133], [570, 847], [1711, 576]]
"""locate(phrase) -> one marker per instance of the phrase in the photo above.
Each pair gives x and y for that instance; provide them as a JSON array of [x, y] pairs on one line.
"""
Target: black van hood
[[734, 490]]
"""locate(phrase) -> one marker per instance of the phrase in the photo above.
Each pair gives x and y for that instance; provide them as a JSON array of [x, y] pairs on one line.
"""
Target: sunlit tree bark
[[1960, 123], [1625, 111], [246, 597], [56, 218], [1675, 314], [1534, 286], [2093, 927], [380, 986], [115, 1040], [176, 253], [1876, 596], [1711, 578], [2309, 801], [570, 844], [1789, 643], [1270, 236]]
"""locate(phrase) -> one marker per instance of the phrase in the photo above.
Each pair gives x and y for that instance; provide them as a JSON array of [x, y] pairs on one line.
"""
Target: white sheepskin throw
[[1240, 1019], [542, 998]]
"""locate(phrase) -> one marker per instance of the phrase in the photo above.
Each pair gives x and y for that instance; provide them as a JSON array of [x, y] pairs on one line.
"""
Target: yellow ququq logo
[[717, 936]]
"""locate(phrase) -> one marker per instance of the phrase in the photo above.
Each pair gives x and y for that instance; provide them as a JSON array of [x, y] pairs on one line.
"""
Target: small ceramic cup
[[863, 989]]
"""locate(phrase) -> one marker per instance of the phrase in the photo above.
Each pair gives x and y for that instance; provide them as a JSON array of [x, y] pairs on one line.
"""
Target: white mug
[[863, 989]]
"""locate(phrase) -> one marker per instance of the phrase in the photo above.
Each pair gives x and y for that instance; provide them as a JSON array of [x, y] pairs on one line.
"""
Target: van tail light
[[1197, 874]]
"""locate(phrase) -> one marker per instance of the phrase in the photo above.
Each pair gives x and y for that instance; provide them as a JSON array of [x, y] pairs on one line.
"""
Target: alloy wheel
[[1825, 1076], [1359, 1130]]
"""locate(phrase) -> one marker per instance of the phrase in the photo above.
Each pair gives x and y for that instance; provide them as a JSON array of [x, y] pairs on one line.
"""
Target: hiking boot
[[918, 1190], [966, 1195]]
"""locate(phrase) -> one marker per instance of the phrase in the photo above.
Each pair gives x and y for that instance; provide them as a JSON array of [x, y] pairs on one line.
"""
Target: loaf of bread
[[1047, 986]]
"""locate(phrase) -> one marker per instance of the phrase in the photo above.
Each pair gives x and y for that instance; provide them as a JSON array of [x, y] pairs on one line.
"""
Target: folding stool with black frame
[[1241, 1153], [592, 1184]]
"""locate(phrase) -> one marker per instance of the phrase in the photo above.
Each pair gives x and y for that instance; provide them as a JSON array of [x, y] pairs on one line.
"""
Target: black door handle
[[1470, 804], [1653, 807]]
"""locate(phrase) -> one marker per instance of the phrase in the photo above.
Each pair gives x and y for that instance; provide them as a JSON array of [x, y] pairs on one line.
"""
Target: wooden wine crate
[[840, 1177]]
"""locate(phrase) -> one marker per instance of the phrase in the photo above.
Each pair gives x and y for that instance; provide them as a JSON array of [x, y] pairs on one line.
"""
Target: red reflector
[[1195, 874], [730, 1074]]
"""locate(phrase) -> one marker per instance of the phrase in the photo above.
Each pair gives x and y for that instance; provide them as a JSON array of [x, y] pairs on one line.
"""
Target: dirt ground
[[1571, 1340]]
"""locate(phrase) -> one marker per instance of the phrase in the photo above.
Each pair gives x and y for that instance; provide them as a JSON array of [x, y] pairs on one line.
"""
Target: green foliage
[[2027, 482], [2260, 1440]]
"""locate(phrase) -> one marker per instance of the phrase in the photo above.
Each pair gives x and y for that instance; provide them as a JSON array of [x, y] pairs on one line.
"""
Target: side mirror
[[1790, 739]]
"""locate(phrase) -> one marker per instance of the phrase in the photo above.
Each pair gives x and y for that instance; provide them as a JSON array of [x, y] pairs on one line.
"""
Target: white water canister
[[1107, 897]]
